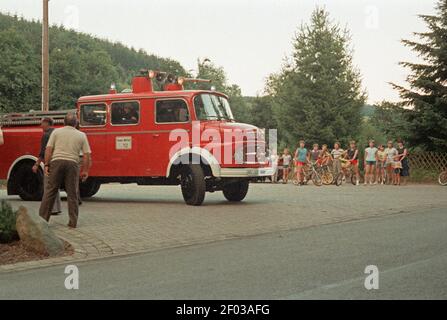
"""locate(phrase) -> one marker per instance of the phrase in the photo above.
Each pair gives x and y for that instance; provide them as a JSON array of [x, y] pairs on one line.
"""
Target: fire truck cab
[[168, 137]]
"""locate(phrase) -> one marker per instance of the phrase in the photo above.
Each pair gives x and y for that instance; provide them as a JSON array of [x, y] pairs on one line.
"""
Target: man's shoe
[[55, 213], [71, 226]]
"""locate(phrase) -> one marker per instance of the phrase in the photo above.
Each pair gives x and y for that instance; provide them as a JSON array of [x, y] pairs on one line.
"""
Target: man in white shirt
[[62, 167], [1, 137]]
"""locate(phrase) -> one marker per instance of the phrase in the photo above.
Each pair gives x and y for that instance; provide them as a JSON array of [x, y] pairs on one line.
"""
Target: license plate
[[253, 172]]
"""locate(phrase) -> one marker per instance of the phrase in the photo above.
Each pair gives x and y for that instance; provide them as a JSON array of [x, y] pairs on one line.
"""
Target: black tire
[[316, 179], [442, 179], [354, 179], [89, 188], [192, 183], [339, 179], [29, 185], [236, 191]]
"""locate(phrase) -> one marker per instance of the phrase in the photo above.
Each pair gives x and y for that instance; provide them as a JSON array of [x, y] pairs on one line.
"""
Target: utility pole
[[45, 59]]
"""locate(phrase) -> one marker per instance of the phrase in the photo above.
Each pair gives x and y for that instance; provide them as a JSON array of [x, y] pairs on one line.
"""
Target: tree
[[390, 121], [19, 79], [79, 65], [427, 92], [317, 95], [261, 111]]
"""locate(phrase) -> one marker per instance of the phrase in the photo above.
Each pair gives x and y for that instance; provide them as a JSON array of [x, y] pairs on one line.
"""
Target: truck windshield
[[212, 107]]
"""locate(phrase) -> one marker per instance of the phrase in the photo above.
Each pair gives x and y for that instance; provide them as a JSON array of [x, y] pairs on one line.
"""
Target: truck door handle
[[155, 135]]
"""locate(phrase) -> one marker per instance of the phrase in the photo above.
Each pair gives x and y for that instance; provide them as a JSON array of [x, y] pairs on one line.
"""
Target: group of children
[[384, 165]]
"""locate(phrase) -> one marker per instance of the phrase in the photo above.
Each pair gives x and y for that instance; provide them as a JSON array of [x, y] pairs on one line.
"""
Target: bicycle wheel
[[295, 178], [316, 179], [327, 178], [354, 179], [361, 177], [443, 178], [339, 179]]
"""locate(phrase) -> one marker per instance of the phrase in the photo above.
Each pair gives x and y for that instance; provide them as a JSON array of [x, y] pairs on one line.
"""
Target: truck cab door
[[93, 122], [124, 143], [169, 114]]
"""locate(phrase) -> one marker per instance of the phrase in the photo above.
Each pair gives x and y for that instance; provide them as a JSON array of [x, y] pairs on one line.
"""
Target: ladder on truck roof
[[32, 117]]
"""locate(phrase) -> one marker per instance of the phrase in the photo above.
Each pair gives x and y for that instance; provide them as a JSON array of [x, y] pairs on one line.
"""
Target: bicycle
[[325, 172], [442, 179], [338, 174], [309, 172], [350, 173]]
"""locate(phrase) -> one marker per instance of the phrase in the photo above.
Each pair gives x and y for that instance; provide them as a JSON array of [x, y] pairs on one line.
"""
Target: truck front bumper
[[246, 172]]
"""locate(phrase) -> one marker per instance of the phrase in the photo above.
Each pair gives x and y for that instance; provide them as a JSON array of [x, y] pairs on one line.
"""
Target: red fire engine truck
[[131, 137]]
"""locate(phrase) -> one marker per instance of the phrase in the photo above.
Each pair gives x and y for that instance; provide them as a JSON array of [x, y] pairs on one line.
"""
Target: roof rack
[[32, 117]]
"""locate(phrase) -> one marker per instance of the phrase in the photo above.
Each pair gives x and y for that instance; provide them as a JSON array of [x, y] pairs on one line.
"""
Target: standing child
[[325, 155], [403, 158], [397, 167], [353, 157], [286, 159], [381, 160], [315, 153], [336, 154], [301, 158], [370, 162], [391, 153]]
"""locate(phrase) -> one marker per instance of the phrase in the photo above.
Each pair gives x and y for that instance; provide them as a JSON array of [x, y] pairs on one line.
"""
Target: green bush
[[8, 217], [423, 175]]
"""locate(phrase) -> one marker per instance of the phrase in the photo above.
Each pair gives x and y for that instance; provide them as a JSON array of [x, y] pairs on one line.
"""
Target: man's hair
[[48, 120], [315, 145], [71, 119], [352, 142]]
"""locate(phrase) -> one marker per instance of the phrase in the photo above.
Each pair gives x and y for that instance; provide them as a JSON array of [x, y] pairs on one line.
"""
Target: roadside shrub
[[8, 217], [423, 175]]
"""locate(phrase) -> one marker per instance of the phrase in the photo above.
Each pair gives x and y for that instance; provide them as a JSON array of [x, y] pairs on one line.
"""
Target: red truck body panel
[[147, 156]]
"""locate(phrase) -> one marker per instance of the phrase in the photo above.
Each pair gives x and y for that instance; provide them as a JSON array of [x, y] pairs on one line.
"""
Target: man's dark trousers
[[62, 173]]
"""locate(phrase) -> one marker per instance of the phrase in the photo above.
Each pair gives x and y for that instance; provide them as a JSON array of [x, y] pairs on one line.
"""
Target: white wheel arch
[[200, 152], [25, 157]]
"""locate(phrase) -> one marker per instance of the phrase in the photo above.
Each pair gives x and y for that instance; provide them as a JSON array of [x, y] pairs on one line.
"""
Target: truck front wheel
[[89, 188], [193, 185], [29, 185], [236, 191]]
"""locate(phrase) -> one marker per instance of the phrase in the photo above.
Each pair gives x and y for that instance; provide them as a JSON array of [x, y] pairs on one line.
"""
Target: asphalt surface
[[320, 262]]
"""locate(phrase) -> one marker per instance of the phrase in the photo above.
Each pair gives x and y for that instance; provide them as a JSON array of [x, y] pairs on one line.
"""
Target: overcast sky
[[248, 38]]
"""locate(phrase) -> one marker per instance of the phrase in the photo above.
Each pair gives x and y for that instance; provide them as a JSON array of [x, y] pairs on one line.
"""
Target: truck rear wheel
[[236, 191], [193, 185], [89, 188], [29, 185]]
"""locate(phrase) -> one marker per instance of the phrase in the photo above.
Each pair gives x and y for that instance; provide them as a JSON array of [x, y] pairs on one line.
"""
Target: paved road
[[325, 261], [127, 219]]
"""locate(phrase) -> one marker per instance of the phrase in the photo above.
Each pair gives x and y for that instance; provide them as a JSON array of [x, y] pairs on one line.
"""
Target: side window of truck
[[125, 113], [93, 115], [169, 111]]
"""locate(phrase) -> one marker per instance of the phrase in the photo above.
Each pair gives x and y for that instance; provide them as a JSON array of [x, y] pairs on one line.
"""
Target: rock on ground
[[36, 235]]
